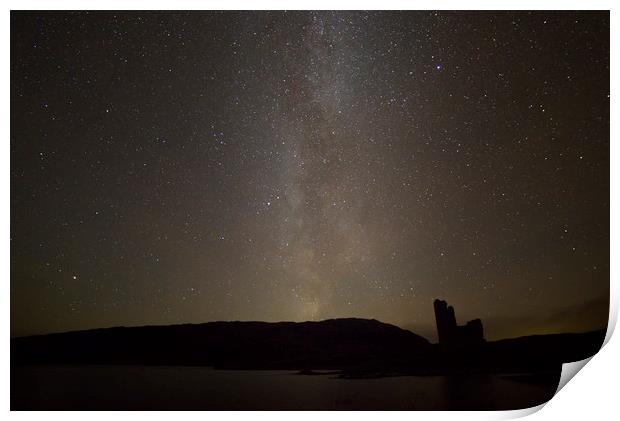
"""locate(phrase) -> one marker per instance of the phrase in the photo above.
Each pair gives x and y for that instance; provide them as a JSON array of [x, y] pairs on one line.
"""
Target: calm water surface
[[199, 388]]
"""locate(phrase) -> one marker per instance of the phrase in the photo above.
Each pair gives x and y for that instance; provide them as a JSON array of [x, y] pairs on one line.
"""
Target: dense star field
[[183, 167]]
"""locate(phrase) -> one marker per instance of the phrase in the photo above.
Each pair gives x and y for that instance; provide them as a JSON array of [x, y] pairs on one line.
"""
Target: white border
[[593, 394]]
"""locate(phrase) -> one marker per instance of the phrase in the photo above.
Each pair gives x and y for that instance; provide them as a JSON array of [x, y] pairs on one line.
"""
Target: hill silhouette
[[356, 347]]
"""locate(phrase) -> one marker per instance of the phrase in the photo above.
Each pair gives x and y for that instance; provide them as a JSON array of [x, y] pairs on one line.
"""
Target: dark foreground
[[199, 388], [357, 346], [371, 365]]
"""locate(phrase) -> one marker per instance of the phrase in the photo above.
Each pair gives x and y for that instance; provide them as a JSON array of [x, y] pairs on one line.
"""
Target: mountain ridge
[[352, 345]]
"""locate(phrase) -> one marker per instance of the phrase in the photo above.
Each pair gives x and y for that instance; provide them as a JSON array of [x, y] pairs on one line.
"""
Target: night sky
[[184, 167]]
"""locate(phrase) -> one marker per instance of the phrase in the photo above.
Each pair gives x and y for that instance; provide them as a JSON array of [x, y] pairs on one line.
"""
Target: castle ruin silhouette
[[449, 333]]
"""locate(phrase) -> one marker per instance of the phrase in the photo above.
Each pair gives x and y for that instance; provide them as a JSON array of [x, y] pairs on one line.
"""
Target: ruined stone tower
[[449, 333]]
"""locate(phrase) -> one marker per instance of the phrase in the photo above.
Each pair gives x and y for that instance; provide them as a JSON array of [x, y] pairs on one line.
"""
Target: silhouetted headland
[[354, 347]]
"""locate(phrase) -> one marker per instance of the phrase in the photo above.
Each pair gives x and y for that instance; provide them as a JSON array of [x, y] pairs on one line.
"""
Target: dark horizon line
[[293, 322]]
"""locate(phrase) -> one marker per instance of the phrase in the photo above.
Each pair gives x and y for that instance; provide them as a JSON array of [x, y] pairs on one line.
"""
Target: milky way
[[182, 167]]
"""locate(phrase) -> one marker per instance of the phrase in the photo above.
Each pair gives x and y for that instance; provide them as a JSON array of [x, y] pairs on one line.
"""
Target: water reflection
[[197, 388]]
